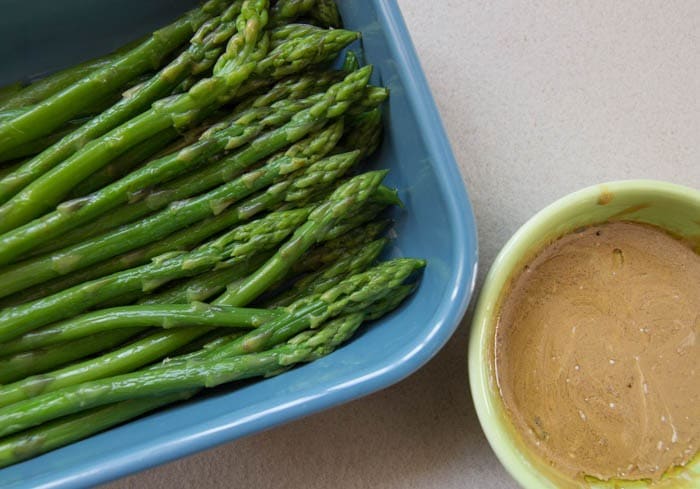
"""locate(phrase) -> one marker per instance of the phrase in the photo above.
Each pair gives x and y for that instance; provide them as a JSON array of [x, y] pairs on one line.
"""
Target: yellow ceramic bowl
[[672, 207]]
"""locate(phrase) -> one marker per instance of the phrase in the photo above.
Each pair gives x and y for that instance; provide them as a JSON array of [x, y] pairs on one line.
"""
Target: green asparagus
[[348, 196], [213, 33], [164, 316], [61, 432], [333, 104], [243, 54], [57, 109], [211, 370], [21, 365]]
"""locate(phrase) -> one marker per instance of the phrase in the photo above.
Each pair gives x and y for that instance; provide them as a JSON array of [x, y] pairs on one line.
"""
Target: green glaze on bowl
[[672, 207]]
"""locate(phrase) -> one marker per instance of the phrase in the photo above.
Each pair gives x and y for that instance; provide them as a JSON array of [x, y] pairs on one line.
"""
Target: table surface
[[539, 99]]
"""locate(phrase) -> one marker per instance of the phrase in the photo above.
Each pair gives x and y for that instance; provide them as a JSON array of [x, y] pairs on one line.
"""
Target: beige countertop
[[539, 98]]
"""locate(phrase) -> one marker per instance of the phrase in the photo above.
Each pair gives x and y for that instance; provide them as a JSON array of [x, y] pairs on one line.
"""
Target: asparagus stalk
[[35, 92], [15, 321], [291, 31], [212, 34], [150, 347], [9, 167], [180, 111], [331, 105], [39, 269], [341, 202], [50, 187], [212, 283], [283, 10], [185, 186], [351, 62], [206, 372], [62, 106], [142, 316], [213, 175], [238, 242], [36, 146], [321, 280], [128, 161], [260, 113], [364, 129], [209, 284], [125, 359], [361, 292], [336, 248], [67, 430], [76, 212], [21, 365]]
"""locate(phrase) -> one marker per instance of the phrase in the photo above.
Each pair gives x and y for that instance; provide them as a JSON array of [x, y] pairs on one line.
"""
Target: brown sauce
[[598, 352]]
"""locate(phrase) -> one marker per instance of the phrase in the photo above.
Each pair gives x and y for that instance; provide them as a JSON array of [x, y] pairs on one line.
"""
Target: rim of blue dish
[[448, 315]]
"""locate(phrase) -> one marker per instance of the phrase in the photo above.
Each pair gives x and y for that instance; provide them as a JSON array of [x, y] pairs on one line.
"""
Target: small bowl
[[671, 207]]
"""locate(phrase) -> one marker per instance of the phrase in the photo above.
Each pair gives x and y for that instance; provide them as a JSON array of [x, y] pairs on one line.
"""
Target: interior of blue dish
[[436, 224]]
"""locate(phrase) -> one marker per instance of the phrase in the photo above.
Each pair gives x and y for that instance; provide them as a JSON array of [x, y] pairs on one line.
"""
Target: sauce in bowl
[[597, 352]]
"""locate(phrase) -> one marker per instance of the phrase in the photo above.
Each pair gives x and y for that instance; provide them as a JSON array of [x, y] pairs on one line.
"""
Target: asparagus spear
[[296, 186], [239, 242], [9, 167], [346, 197], [285, 95], [124, 359], [321, 280], [15, 321], [180, 111], [283, 10], [50, 187], [213, 33], [290, 88], [57, 109], [188, 185], [317, 176], [142, 316], [67, 430], [21, 365], [49, 85], [128, 161], [210, 371], [355, 293], [338, 247], [351, 62], [291, 31], [75, 212], [332, 104], [32, 148], [151, 347], [209, 284], [37, 270], [365, 128]]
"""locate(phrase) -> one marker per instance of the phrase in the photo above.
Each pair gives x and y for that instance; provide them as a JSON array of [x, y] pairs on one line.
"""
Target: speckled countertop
[[539, 98]]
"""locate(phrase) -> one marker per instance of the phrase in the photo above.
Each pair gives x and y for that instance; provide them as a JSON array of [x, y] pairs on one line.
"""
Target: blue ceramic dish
[[437, 224]]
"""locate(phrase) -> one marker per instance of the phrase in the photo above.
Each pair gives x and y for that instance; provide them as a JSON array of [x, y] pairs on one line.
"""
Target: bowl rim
[[485, 399]]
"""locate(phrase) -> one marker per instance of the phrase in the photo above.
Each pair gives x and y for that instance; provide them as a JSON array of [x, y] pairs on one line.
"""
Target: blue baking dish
[[437, 224]]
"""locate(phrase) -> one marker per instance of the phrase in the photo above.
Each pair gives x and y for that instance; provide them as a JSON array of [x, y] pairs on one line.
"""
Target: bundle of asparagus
[[185, 212]]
